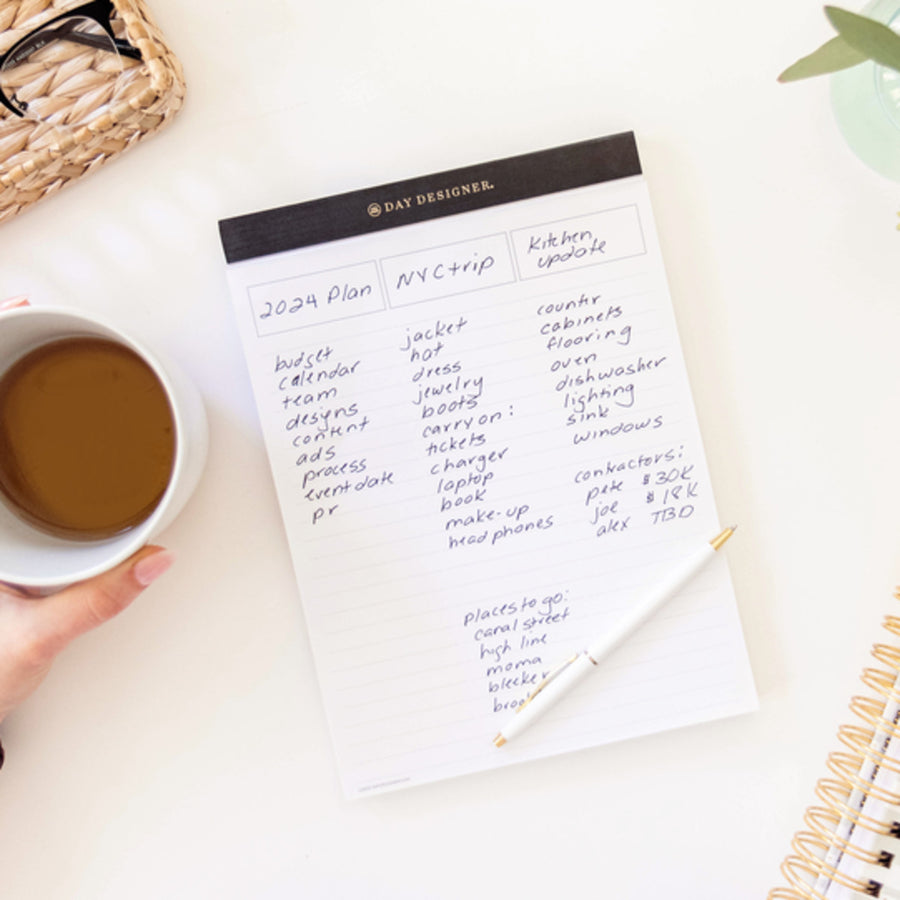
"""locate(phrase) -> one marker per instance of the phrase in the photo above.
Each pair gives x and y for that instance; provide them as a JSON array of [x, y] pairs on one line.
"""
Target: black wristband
[[1, 756]]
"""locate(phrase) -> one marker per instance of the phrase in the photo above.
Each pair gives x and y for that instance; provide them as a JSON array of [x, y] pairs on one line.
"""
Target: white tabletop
[[182, 750]]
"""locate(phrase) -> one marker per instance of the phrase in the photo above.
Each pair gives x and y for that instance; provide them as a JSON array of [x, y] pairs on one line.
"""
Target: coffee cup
[[65, 517]]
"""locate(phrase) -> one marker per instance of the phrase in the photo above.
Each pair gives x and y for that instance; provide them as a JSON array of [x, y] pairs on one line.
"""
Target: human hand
[[33, 630]]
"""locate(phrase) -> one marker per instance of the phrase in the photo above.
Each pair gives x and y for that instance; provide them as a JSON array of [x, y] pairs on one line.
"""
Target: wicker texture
[[38, 159]]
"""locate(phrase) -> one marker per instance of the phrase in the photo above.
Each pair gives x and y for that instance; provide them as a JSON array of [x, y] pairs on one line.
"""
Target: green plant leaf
[[831, 57], [875, 40]]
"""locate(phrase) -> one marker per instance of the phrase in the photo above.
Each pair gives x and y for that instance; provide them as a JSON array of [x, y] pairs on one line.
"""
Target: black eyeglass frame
[[99, 10]]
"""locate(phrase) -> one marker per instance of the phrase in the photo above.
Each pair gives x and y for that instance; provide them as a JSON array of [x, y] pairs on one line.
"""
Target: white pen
[[569, 673]]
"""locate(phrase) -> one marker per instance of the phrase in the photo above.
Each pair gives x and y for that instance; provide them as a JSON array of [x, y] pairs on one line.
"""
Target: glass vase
[[866, 103]]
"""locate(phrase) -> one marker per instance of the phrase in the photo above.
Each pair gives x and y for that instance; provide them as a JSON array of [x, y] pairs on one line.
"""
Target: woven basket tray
[[37, 159]]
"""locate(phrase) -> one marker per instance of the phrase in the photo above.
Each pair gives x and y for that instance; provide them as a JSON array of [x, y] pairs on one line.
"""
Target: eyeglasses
[[67, 68]]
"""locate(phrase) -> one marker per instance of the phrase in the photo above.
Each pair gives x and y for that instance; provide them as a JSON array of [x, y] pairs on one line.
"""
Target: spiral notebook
[[484, 443], [850, 847]]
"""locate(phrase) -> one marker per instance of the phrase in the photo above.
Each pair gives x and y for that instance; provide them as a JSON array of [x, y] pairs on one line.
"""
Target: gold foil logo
[[429, 197]]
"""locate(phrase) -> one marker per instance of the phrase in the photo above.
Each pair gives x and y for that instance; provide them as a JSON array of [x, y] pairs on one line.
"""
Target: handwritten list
[[484, 446]]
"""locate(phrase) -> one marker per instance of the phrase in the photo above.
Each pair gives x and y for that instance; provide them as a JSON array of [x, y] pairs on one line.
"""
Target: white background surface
[[182, 752]]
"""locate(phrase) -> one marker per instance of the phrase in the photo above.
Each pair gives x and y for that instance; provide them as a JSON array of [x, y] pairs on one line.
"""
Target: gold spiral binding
[[870, 711], [881, 682], [802, 869], [856, 737], [860, 739], [887, 653], [801, 878], [827, 837], [847, 767], [892, 623], [835, 795], [824, 822]]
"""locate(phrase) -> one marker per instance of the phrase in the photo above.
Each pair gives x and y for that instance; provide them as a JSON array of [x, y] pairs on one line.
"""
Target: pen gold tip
[[720, 539], [499, 741]]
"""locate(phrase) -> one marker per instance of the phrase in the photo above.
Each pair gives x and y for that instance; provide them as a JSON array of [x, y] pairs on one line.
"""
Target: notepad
[[851, 840], [484, 445]]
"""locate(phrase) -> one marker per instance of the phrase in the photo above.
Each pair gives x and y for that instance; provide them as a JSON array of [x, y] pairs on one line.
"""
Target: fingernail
[[13, 302], [147, 569]]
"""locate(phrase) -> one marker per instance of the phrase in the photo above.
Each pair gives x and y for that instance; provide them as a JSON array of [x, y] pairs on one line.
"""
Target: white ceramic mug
[[38, 561]]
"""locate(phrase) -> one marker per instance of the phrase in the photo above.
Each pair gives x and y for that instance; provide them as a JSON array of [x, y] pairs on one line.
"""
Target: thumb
[[81, 607], [13, 303]]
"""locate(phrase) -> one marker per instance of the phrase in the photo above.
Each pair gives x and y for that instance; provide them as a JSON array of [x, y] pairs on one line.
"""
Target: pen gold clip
[[553, 673]]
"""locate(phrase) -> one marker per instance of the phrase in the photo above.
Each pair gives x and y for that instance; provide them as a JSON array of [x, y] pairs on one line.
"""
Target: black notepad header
[[429, 197]]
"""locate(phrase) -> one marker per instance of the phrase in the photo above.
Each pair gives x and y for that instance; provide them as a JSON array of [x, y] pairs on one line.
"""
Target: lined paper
[[484, 446]]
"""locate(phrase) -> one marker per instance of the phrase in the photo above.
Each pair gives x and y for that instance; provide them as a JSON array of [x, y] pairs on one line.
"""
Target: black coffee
[[87, 438]]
